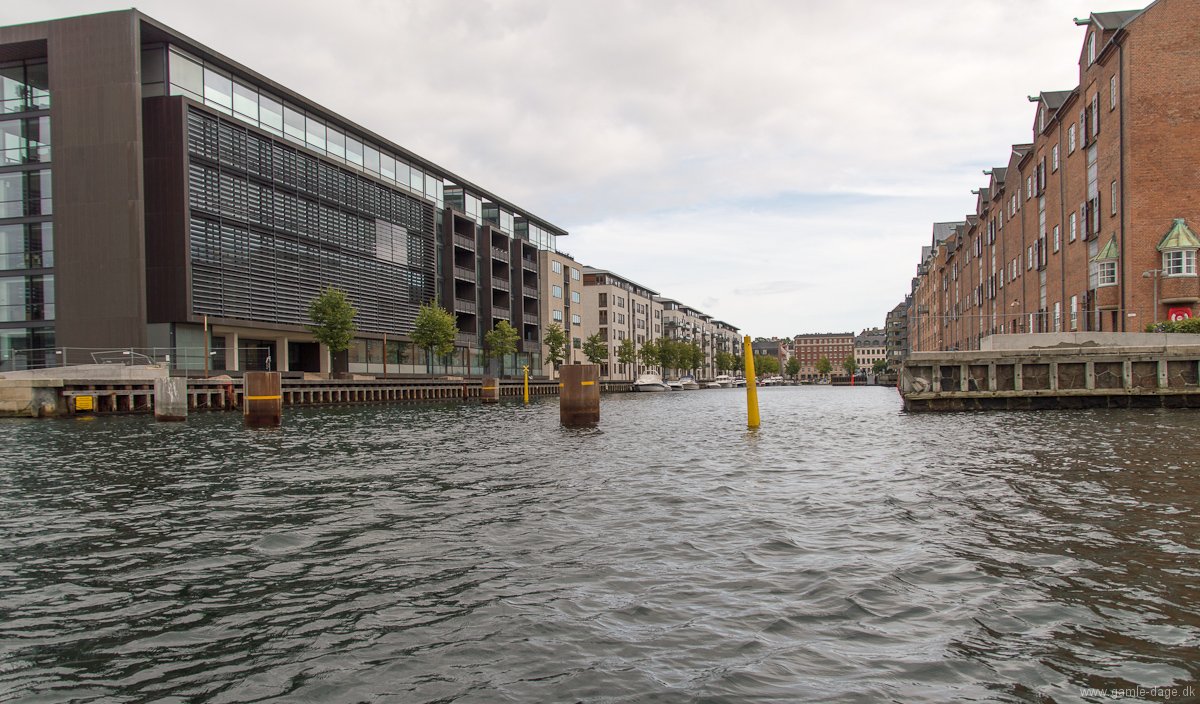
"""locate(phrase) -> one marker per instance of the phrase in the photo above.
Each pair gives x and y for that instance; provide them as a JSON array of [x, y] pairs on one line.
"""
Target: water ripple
[[843, 552]]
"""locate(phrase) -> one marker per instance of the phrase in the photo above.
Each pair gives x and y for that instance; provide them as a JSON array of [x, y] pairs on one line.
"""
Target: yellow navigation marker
[[752, 419]]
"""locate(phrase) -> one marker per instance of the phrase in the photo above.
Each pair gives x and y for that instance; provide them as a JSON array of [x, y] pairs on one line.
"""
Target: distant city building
[[810, 348], [620, 309], [1092, 224], [561, 300], [896, 329], [870, 346]]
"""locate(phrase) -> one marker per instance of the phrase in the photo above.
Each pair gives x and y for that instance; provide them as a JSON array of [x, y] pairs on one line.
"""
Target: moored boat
[[689, 382], [650, 381]]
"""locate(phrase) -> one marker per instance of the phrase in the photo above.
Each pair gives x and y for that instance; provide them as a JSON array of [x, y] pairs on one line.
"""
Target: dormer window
[[1104, 265], [1178, 249], [1041, 119], [1091, 48]]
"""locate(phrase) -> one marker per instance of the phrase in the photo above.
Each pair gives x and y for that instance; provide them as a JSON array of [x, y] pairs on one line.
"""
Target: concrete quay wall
[[1052, 377]]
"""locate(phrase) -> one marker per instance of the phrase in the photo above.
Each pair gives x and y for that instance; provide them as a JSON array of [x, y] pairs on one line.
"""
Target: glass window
[[218, 90], [575, 297], [387, 166], [354, 151], [556, 291], [314, 133], [270, 114], [402, 173], [416, 181], [293, 124], [556, 315], [12, 142], [187, 76], [1108, 273], [574, 274], [153, 70], [37, 78], [336, 143], [245, 102], [1179, 262], [371, 158], [556, 267], [576, 321], [431, 190]]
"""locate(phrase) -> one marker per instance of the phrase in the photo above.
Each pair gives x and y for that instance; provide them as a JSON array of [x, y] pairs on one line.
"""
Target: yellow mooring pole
[[527, 384], [751, 384]]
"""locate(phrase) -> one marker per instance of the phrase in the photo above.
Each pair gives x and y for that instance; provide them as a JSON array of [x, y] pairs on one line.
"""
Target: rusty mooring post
[[490, 391], [262, 399], [579, 395]]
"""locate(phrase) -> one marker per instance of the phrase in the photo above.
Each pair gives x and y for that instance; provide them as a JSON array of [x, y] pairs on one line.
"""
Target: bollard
[[170, 399], [526, 367], [490, 391], [579, 395], [752, 419], [262, 402]]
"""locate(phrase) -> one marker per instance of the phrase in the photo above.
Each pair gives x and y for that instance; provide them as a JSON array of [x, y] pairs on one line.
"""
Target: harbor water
[[469, 553]]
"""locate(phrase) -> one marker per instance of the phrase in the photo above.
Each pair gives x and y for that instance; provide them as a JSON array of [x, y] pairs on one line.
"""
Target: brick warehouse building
[[1092, 224], [180, 188]]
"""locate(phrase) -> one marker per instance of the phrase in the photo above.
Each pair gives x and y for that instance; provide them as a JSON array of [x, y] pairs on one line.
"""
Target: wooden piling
[[489, 392], [262, 402], [579, 395]]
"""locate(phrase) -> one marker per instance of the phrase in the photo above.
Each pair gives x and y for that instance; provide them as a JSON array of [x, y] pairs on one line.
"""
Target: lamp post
[[1153, 275]]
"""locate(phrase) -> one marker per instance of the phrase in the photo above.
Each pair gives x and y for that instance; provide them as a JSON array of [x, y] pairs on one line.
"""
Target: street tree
[[792, 369], [333, 319], [626, 352], [595, 349], [556, 344], [724, 362], [824, 366], [766, 364], [880, 366], [501, 341], [650, 354], [850, 364], [434, 331]]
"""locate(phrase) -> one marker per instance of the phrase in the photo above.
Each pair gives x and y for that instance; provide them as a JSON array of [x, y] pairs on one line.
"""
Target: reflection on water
[[484, 554]]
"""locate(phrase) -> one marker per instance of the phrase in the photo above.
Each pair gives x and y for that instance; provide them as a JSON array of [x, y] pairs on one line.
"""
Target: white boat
[[650, 381], [675, 385], [724, 381], [739, 382], [712, 385], [689, 382]]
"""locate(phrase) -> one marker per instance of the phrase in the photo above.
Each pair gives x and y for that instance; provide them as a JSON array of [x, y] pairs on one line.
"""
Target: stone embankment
[[1030, 372]]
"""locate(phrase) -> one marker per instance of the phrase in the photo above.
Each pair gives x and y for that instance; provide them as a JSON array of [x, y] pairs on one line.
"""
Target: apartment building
[[870, 346], [896, 330], [185, 202], [686, 324], [1091, 225], [620, 309], [562, 303], [811, 348]]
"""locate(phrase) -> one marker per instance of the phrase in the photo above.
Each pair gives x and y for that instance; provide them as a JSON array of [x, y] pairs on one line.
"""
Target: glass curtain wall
[[26, 225]]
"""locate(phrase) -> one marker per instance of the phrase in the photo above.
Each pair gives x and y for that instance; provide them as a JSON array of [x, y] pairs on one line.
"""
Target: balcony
[[529, 291], [464, 274], [500, 254], [461, 305], [465, 242], [531, 346], [530, 264], [501, 285], [501, 314], [529, 318], [465, 339]]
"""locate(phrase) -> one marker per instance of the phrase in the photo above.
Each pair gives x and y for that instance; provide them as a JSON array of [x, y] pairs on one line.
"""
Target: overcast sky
[[777, 164]]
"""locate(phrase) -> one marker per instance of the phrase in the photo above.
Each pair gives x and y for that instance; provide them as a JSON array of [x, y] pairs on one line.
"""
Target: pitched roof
[[1114, 20], [1055, 98], [1180, 236], [1108, 252], [942, 230]]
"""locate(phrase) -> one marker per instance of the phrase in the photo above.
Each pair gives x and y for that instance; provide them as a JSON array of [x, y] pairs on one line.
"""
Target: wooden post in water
[[490, 391], [579, 395], [262, 399], [170, 399]]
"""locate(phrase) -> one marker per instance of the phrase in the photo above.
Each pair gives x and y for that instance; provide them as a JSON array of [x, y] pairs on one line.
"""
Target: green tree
[[765, 365], [651, 353], [880, 366], [792, 369], [695, 357], [501, 341], [824, 366], [724, 361], [850, 364], [738, 364], [669, 353], [595, 349], [434, 332], [333, 319], [556, 344], [626, 352]]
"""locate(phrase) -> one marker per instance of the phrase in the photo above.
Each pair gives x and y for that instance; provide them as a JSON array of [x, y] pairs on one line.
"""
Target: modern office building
[[1091, 225], [152, 189]]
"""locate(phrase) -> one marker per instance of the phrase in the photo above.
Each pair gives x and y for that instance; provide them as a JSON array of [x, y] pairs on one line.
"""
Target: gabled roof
[[1054, 99], [972, 220], [1108, 252], [942, 230], [1180, 236], [998, 173], [1114, 20]]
